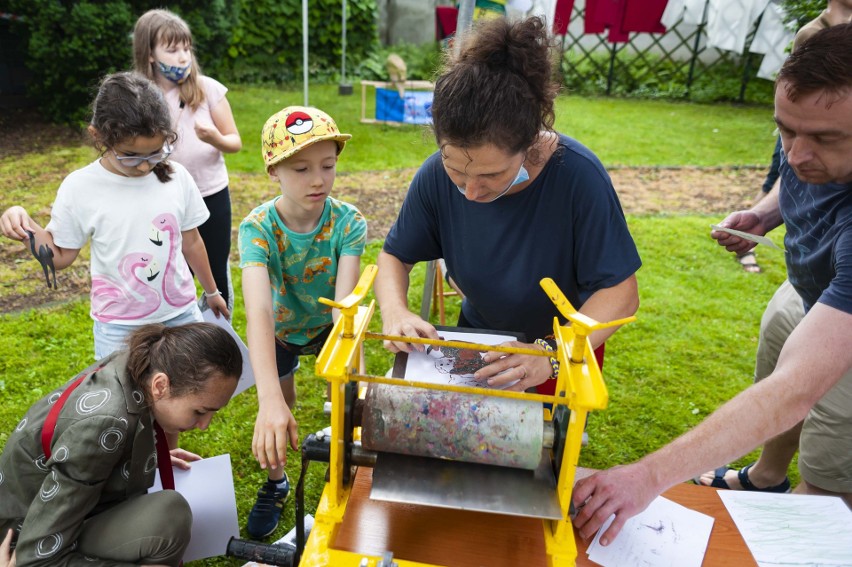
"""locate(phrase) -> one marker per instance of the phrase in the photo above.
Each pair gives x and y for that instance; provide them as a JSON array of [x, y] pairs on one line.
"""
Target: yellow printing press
[[444, 448]]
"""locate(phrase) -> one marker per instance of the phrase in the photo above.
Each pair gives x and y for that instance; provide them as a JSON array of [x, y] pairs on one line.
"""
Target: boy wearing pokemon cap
[[295, 248]]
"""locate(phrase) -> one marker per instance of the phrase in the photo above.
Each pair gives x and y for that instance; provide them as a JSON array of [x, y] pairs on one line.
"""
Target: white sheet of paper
[[247, 377], [747, 236], [665, 534], [439, 369], [792, 529], [209, 488]]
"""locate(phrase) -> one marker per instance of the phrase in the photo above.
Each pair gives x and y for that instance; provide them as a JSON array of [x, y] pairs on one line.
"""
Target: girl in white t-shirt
[[140, 212], [202, 118]]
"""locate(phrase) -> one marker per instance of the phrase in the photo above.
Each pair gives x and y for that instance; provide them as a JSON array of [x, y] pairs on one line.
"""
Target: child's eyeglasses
[[136, 161], [44, 255]]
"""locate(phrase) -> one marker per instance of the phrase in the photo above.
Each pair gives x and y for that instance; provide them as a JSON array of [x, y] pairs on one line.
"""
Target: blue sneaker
[[266, 512]]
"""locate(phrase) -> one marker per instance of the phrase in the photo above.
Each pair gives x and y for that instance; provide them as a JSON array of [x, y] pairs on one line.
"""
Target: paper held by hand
[[747, 236]]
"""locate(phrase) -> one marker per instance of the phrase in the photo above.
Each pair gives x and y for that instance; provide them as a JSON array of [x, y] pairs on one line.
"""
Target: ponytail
[[189, 355]]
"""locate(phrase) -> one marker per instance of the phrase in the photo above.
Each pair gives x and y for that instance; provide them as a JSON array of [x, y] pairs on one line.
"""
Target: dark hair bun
[[499, 89]]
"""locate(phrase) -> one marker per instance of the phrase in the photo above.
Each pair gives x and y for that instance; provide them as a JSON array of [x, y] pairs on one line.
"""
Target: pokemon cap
[[293, 129]]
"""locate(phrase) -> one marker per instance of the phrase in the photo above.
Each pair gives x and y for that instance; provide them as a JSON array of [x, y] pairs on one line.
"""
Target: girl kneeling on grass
[[140, 212], [75, 471]]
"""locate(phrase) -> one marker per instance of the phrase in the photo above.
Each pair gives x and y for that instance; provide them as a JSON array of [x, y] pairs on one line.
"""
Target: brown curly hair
[[128, 106], [499, 89]]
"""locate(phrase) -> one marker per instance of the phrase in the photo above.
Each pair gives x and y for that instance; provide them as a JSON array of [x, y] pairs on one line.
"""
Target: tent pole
[[343, 88], [463, 23], [305, 48]]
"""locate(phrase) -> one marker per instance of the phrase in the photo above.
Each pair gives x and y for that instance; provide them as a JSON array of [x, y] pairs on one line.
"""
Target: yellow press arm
[[348, 306], [581, 383], [337, 355], [582, 325]]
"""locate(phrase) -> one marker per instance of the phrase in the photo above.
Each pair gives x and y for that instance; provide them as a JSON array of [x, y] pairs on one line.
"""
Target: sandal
[[742, 474], [749, 262]]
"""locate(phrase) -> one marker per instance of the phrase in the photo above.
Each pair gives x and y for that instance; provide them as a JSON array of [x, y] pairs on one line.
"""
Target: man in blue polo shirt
[[812, 380]]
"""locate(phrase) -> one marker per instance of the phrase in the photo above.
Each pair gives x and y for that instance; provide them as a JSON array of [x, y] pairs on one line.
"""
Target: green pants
[[151, 529]]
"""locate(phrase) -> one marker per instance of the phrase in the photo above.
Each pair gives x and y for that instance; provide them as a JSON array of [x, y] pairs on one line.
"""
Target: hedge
[[72, 44]]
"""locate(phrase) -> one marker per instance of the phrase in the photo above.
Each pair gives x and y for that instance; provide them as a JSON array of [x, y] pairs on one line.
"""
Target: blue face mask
[[173, 73], [523, 175]]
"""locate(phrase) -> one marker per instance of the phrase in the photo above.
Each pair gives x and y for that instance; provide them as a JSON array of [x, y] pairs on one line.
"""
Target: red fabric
[[606, 14], [164, 459], [643, 16], [53, 416], [602, 14], [446, 18], [549, 387], [617, 35], [563, 16]]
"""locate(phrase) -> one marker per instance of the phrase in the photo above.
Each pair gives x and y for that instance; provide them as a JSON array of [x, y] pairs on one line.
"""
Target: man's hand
[[181, 458], [407, 324], [505, 368], [274, 428], [744, 221], [624, 491]]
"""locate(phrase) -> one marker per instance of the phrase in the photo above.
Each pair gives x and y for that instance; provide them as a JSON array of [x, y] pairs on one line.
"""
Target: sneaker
[[264, 515]]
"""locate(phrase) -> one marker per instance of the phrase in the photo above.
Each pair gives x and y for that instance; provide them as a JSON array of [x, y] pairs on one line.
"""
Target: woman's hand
[[274, 428], [181, 458], [505, 368], [7, 556], [406, 324]]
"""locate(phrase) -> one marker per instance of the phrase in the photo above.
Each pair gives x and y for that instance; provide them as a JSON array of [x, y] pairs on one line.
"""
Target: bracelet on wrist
[[554, 362], [211, 294]]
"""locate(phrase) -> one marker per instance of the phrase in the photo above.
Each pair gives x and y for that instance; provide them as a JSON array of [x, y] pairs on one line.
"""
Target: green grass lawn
[[691, 349], [619, 131]]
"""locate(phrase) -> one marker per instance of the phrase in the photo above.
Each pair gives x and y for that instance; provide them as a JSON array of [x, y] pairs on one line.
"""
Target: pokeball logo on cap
[[299, 123]]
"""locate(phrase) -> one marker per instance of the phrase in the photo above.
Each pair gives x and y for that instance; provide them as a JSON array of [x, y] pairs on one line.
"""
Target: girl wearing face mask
[[506, 201], [201, 116]]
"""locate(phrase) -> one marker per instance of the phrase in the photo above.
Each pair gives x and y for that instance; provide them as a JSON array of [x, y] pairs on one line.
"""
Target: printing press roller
[[456, 450], [454, 426]]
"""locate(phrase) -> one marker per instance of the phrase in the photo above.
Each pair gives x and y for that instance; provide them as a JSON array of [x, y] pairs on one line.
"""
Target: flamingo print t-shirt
[[139, 274], [302, 266]]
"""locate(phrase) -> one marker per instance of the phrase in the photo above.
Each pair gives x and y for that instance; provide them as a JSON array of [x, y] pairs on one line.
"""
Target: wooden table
[[460, 538]]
